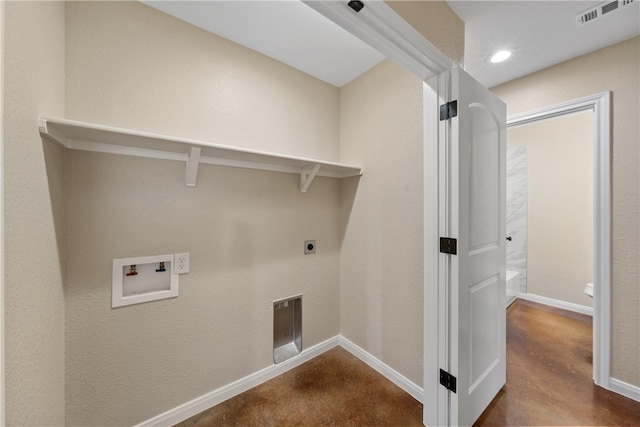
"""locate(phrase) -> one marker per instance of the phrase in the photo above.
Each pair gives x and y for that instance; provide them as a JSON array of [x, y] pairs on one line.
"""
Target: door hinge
[[448, 380], [448, 110], [448, 245]]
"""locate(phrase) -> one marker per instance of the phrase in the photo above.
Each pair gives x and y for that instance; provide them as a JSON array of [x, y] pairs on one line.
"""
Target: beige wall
[[130, 65], [127, 65], [437, 22], [381, 273], [560, 205], [193, 84], [244, 231], [381, 268], [615, 69], [34, 298]]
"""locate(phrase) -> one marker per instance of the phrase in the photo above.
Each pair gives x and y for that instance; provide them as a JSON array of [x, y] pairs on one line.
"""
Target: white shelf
[[105, 139]]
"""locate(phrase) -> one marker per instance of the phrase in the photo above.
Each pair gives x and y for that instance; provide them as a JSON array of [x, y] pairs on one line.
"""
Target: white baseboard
[[384, 369], [218, 396], [557, 303], [204, 402], [615, 385], [625, 389]]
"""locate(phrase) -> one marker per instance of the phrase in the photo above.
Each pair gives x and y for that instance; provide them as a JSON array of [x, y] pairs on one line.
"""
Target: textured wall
[[436, 21], [199, 85], [381, 274], [244, 231], [130, 65], [34, 299], [615, 69], [560, 205], [381, 269]]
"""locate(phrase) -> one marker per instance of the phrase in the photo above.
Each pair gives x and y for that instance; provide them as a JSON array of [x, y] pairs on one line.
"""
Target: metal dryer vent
[[287, 328]]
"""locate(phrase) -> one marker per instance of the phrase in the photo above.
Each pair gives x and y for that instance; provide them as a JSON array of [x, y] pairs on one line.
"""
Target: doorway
[[550, 210], [600, 105]]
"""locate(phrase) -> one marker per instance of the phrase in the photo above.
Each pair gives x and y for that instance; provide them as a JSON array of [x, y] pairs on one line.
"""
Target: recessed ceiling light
[[501, 55]]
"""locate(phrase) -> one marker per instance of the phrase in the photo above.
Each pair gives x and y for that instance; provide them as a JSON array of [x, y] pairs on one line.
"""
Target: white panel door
[[473, 201]]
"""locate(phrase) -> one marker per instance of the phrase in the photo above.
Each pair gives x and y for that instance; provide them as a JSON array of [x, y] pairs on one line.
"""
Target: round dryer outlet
[[309, 247]]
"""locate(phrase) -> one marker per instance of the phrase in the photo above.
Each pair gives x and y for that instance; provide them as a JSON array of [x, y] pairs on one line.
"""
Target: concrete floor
[[549, 374], [548, 383], [333, 389]]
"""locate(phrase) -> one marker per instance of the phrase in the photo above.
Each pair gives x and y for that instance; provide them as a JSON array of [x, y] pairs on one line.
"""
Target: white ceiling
[[541, 33], [288, 31]]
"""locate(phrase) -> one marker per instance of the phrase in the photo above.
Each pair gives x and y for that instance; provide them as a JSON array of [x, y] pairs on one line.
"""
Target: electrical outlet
[[181, 263]]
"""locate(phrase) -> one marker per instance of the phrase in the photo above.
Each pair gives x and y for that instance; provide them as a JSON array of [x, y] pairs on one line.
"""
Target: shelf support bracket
[[306, 178], [193, 161], [52, 132]]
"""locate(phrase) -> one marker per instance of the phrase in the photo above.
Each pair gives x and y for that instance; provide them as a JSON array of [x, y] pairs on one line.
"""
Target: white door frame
[[2, 390], [436, 91], [379, 26], [600, 104], [383, 29]]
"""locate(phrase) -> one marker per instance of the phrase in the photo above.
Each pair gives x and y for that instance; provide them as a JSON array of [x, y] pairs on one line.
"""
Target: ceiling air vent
[[600, 10]]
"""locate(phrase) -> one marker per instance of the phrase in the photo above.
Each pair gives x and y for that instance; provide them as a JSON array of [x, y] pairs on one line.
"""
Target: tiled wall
[[517, 212]]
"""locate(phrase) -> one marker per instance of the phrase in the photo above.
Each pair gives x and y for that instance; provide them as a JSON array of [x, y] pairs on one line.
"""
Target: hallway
[[549, 374]]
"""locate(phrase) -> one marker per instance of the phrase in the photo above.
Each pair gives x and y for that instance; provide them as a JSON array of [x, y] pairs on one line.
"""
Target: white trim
[[615, 385], [383, 29], [2, 375], [625, 389], [75, 135], [601, 105], [193, 161], [581, 104], [206, 401], [142, 282], [382, 368], [577, 308], [430, 381], [306, 178]]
